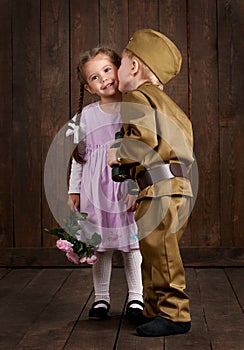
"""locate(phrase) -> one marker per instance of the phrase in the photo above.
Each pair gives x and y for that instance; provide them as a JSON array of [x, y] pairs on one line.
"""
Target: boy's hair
[[146, 71], [86, 57]]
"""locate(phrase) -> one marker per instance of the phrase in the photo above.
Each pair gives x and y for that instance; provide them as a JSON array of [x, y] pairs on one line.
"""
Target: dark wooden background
[[40, 45]]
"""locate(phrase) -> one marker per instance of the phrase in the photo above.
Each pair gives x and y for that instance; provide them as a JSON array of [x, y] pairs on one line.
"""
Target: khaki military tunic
[[156, 131]]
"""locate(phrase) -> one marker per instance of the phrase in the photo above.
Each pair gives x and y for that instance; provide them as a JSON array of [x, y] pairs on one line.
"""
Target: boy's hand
[[130, 200], [74, 201], [111, 156]]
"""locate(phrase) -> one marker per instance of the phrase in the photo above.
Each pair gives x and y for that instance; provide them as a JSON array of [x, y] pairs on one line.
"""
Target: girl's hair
[[146, 71], [86, 57]]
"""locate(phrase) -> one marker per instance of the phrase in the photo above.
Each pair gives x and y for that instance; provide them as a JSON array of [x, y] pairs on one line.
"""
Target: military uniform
[[158, 145]]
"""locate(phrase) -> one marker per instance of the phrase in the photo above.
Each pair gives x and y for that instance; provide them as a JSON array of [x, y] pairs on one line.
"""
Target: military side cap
[[158, 52]]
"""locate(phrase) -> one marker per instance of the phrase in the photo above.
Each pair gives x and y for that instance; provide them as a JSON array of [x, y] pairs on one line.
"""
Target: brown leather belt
[[163, 172]]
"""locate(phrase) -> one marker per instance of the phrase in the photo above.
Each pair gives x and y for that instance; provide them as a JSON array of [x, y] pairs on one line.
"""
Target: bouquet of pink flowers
[[76, 251]]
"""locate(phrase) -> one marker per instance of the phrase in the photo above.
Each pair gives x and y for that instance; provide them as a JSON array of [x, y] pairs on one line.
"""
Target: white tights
[[102, 273]]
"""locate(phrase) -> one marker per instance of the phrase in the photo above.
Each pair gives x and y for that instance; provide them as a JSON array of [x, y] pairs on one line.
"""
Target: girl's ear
[[89, 89], [135, 66]]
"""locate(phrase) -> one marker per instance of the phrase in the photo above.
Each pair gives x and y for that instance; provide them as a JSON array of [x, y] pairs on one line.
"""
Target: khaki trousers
[[161, 222]]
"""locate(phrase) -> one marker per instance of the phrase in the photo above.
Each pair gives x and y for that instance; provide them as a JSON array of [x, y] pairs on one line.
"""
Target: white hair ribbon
[[73, 129]]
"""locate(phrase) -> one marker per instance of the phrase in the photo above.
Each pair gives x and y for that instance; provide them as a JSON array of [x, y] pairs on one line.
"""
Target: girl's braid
[[81, 98], [77, 153]]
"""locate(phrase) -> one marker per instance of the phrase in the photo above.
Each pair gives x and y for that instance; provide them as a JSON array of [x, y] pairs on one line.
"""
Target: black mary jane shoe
[[134, 314], [100, 312]]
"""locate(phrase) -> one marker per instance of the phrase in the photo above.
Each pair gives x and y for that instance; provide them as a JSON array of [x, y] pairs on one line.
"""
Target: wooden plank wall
[[40, 45]]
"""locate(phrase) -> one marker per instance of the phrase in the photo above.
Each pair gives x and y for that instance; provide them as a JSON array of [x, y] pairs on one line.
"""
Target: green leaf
[[79, 248], [56, 232], [95, 240], [82, 216]]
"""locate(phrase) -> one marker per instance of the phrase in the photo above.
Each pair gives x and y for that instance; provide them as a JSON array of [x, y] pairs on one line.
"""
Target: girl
[[91, 189]]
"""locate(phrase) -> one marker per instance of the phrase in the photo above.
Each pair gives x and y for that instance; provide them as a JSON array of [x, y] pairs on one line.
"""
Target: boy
[[157, 144]]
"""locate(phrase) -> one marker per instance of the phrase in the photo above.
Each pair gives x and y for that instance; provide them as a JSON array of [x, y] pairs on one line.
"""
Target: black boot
[[161, 326]]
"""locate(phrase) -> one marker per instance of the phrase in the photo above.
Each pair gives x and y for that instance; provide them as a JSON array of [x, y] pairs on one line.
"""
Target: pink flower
[[83, 260], [92, 260], [73, 257], [64, 245]]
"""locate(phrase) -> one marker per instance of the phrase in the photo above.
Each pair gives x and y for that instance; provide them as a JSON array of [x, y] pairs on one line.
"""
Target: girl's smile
[[107, 85], [102, 79]]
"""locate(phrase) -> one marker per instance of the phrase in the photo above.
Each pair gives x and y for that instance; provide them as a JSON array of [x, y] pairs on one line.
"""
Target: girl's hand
[[74, 201], [130, 200]]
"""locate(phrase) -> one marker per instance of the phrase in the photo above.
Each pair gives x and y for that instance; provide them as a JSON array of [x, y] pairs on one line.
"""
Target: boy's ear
[[87, 88], [135, 66]]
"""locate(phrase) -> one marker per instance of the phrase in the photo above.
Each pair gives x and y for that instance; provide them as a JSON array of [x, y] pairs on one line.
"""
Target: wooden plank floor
[[47, 309]]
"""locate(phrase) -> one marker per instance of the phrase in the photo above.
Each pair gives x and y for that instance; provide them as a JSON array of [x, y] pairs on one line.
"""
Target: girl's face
[[101, 77], [125, 74]]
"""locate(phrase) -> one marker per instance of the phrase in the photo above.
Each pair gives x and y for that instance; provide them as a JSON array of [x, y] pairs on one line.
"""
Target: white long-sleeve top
[[75, 177]]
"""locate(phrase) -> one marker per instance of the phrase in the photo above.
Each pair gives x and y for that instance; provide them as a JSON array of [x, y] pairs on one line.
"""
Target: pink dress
[[101, 197]]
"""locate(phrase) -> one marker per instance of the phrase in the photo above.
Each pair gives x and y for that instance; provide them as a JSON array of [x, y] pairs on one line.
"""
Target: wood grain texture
[[54, 90], [55, 324], [84, 35], [6, 130], [231, 106], [221, 308], [236, 278], [205, 221], [36, 317], [114, 24], [173, 23], [32, 300], [192, 256], [26, 123], [39, 92], [143, 14]]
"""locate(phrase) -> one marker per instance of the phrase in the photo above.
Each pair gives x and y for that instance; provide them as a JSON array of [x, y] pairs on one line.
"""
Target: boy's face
[[125, 74]]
